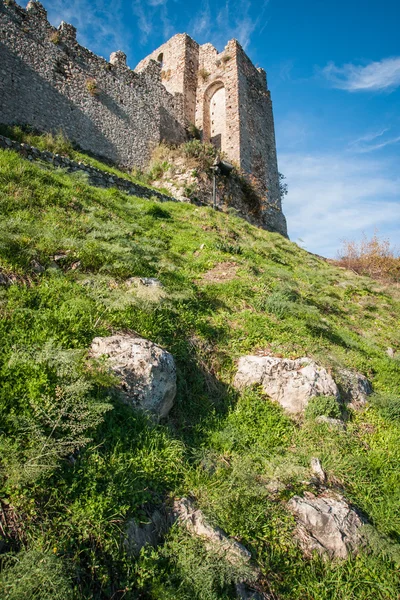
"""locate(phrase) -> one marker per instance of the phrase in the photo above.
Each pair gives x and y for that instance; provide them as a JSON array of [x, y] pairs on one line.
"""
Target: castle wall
[[257, 135], [45, 76]]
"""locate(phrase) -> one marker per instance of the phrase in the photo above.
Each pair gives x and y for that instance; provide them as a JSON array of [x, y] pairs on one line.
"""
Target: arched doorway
[[214, 125]]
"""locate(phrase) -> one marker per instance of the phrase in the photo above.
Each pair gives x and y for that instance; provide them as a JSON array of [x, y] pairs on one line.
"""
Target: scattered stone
[[326, 523], [275, 487], [290, 382], [354, 387], [317, 470], [216, 538], [244, 592], [390, 352], [4, 279], [37, 267], [147, 281], [139, 535], [332, 422], [146, 371], [60, 257]]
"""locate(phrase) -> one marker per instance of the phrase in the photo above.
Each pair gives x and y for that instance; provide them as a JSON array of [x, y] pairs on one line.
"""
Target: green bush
[[319, 406], [387, 405], [34, 575], [199, 571]]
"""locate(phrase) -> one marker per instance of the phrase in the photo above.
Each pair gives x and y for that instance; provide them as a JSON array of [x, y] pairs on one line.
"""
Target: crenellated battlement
[[51, 82]]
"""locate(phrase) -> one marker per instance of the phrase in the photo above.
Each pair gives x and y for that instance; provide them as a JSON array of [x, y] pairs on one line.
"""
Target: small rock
[[327, 524], [37, 267], [139, 535], [244, 592], [147, 281], [390, 352], [146, 371], [59, 257], [355, 387], [330, 421], [216, 539], [275, 487], [317, 469], [290, 382]]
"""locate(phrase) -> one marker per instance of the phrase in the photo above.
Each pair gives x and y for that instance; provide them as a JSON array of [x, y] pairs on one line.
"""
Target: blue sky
[[334, 73]]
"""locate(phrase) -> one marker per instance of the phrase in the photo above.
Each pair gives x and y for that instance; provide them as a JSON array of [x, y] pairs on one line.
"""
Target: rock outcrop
[[290, 382], [327, 524], [146, 371], [354, 387]]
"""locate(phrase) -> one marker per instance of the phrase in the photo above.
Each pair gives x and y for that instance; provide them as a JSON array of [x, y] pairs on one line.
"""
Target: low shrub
[[34, 575], [387, 405], [326, 406], [92, 87], [374, 257]]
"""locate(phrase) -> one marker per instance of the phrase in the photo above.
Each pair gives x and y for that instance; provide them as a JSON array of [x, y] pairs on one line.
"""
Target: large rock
[[290, 382], [146, 371], [327, 524]]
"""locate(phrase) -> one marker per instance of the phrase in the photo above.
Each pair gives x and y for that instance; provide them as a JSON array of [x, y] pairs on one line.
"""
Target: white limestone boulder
[[290, 382], [327, 524], [146, 372]]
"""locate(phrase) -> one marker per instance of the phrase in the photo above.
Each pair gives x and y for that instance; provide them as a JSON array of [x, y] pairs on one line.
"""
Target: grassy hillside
[[76, 464]]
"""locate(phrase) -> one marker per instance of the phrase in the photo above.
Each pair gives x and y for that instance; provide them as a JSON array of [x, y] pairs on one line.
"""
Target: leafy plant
[[55, 38], [326, 406], [204, 74], [92, 87], [388, 405]]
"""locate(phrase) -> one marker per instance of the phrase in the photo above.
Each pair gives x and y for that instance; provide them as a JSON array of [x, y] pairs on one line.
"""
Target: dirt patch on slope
[[221, 273]]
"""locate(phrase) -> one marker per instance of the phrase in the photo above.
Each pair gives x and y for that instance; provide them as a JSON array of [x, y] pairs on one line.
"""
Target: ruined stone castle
[[49, 81]]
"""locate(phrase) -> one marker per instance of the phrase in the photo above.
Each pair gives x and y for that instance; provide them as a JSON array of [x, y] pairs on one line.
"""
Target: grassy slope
[[222, 447], [59, 144]]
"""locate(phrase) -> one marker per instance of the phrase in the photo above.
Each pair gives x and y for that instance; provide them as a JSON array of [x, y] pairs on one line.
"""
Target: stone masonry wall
[[45, 76], [257, 134]]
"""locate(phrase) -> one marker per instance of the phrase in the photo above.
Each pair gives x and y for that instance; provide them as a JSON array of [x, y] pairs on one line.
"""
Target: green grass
[[222, 447], [59, 144]]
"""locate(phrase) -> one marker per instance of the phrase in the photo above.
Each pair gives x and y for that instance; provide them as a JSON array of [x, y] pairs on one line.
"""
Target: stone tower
[[228, 100]]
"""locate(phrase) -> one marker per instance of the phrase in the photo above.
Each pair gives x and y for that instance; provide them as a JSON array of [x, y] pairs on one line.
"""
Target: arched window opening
[[214, 121], [160, 59]]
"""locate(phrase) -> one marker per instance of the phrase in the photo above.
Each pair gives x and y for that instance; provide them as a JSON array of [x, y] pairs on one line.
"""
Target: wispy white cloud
[[363, 144], [383, 144], [376, 76], [333, 197], [369, 137], [232, 20]]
